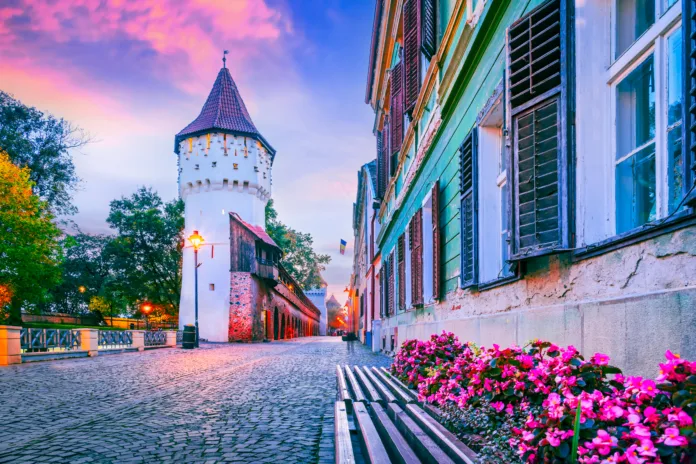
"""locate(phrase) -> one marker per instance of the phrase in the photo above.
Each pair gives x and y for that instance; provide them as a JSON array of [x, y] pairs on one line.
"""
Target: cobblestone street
[[255, 403]]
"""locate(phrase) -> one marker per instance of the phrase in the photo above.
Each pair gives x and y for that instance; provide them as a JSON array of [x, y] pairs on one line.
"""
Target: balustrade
[[41, 340], [111, 339], [158, 338]]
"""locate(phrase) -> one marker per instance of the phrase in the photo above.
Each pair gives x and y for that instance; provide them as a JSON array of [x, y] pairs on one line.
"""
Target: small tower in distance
[[224, 167]]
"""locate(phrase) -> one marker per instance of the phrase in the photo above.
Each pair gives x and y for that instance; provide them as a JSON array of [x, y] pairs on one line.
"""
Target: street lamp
[[146, 308], [196, 241]]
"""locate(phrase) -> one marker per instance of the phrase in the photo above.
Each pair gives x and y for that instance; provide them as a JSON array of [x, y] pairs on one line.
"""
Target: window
[[235, 166], [401, 256], [214, 163], [468, 157], [211, 287], [647, 85], [190, 144], [415, 235], [224, 143], [493, 211], [633, 18], [207, 141]]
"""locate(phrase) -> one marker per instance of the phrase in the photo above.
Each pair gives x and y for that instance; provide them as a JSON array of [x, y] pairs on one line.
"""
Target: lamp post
[[146, 308], [196, 241]]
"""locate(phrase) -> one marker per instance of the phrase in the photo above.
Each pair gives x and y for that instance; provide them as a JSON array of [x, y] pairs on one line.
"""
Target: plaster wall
[[212, 187], [633, 304], [318, 297]]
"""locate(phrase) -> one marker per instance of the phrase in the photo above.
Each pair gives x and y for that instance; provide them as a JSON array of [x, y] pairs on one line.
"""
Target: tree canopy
[[42, 143], [300, 260], [29, 250]]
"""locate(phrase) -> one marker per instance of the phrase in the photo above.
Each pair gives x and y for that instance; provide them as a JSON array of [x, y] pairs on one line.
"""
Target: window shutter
[[415, 241], [401, 251], [689, 123], [419, 37], [382, 292], [537, 80], [381, 165], [396, 111], [390, 285], [469, 207], [437, 262]]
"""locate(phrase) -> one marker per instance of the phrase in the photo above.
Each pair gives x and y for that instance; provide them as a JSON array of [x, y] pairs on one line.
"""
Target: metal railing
[[179, 337], [110, 339], [42, 340], [158, 338]]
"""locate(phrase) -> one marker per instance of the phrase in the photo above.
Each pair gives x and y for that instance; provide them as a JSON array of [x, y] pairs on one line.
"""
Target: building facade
[[318, 298], [535, 173], [225, 182]]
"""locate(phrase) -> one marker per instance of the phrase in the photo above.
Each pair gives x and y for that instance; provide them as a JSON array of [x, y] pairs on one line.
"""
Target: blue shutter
[[468, 154]]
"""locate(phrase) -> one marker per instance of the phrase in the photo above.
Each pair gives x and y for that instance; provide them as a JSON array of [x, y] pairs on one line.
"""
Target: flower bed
[[520, 404]]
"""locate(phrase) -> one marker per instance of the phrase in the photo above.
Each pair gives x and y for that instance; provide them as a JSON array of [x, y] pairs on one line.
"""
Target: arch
[[282, 327], [275, 323]]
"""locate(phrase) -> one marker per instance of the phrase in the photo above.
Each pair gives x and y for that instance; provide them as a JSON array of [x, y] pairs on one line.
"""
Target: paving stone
[[246, 403]]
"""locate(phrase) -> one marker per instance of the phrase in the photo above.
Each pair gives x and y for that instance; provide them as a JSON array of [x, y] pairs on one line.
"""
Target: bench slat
[[454, 448], [401, 395], [370, 390], [375, 452], [343, 393], [357, 391], [399, 449], [384, 392], [425, 446], [343, 446], [412, 393]]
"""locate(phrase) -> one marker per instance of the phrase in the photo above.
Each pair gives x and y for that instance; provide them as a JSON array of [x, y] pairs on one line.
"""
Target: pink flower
[[600, 359], [640, 432], [647, 449], [498, 406], [604, 442], [672, 438]]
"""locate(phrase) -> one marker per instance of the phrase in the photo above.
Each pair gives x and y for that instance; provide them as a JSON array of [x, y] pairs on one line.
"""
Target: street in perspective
[[350, 232]]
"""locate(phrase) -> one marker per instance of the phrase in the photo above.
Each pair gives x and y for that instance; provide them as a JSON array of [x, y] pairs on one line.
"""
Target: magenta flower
[[672, 438], [603, 442], [600, 359]]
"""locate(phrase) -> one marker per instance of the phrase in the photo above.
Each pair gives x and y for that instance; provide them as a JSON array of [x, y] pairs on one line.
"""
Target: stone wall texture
[[253, 304], [633, 304]]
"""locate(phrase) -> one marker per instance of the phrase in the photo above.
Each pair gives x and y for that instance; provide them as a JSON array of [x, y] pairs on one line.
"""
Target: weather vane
[[224, 60]]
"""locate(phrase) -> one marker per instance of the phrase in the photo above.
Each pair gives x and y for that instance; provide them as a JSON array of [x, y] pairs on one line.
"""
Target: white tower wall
[[218, 174]]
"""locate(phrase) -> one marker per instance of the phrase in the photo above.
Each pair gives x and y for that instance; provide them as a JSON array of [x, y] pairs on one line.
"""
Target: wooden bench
[[390, 424]]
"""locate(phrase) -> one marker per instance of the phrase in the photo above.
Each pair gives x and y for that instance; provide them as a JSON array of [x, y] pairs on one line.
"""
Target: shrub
[[528, 398]]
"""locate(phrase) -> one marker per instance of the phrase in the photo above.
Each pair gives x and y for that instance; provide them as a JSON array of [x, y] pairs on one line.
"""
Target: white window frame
[[652, 42], [427, 248]]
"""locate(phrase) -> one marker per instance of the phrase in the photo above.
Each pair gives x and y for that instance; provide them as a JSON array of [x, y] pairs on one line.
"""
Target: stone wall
[[253, 303], [633, 304]]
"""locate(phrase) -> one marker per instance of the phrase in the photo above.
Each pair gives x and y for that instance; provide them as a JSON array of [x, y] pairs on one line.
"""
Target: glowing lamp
[[196, 240]]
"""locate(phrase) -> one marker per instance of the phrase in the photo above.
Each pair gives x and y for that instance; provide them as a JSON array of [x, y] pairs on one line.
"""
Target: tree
[[43, 144], [299, 259], [29, 249], [147, 250]]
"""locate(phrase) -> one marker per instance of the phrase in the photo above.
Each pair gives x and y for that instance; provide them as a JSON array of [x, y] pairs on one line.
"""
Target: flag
[[343, 247]]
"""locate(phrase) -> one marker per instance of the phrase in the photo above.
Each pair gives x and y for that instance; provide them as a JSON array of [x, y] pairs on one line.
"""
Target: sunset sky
[[133, 74]]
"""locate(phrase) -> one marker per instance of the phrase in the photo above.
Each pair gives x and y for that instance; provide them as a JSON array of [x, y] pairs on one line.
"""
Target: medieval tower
[[224, 167]]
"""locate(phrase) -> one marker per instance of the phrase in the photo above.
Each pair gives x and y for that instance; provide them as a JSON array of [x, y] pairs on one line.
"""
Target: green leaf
[[576, 435], [611, 370]]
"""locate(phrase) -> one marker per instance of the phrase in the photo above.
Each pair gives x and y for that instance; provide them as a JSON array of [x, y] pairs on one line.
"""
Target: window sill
[[498, 282], [681, 220]]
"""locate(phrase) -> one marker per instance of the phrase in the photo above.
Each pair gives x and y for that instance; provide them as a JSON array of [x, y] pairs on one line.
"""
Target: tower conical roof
[[225, 111]]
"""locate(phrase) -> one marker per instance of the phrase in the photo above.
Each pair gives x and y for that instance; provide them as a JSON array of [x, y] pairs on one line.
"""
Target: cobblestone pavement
[[251, 403]]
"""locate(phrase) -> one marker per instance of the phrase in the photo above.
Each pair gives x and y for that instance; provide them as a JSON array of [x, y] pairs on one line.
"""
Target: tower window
[[235, 166], [207, 141], [246, 151], [212, 247], [214, 163], [196, 168], [211, 287], [224, 143], [190, 141]]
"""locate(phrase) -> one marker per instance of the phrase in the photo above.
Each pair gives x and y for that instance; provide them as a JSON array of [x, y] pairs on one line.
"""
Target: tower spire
[[224, 59]]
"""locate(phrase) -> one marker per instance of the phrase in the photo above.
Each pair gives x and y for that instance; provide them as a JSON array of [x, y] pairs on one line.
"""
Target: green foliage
[[146, 253], [42, 143], [29, 251], [299, 259]]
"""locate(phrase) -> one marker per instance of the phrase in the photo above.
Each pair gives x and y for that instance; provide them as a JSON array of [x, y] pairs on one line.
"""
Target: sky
[[132, 74]]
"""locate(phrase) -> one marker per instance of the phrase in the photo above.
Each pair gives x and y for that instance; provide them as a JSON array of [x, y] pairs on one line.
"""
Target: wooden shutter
[[401, 252], [382, 165], [415, 242], [437, 261], [538, 79], [382, 290], [468, 154], [689, 122], [396, 111], [419, 38], [390, 285]]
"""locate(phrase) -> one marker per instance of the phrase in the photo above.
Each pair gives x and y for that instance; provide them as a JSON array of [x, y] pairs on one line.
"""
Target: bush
[[528, 398]]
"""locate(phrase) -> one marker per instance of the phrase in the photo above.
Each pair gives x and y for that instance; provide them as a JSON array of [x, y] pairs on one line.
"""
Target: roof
[[373, 48], [224, 111], [258, 231], [371, 170]]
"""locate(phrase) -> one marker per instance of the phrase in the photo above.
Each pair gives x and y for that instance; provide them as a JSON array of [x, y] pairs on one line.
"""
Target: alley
[[266, 402]]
